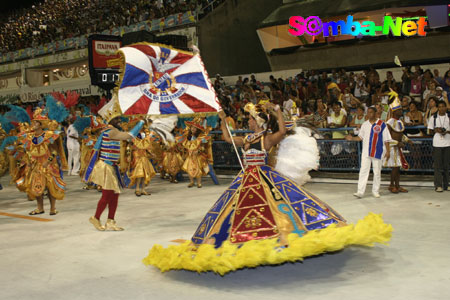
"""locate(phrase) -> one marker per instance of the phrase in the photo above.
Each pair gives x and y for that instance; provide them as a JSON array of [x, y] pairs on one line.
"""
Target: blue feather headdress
[[55, 110], [7, 141], [6, 124], [81, 124], [86, 110], [17, 114]]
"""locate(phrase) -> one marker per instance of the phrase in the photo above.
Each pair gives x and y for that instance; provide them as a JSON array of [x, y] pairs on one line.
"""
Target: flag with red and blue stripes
[[376, 139], [159, 80]]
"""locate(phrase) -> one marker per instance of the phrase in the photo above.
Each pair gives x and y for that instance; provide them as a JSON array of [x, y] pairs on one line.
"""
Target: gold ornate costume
[[140, 166], [173, 161], [196, 163], [40, 149]]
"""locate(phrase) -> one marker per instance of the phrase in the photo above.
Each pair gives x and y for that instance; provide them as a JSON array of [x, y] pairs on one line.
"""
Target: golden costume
[[140, 166], [173, 161], [198, 151], [87, 147], [42, 149]]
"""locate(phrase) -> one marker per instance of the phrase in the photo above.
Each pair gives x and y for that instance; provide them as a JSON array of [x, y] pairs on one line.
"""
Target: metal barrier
[[335, 155]]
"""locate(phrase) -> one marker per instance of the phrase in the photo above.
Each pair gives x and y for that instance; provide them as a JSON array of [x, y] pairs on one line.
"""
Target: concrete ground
[[68, 259]]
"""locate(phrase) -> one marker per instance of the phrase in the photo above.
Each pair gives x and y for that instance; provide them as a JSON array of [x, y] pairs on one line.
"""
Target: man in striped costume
[[103, 168], [375, 135]]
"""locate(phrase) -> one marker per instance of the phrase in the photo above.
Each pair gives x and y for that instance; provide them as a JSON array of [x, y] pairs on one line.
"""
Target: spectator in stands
[[337, 120], [389, 83], [358, 119], [405, 105], [353, 109], [361, 88], [442, 95], [239, 82], [301, 91], [381, 113], [320, 114], [413, 118], [406, 80], [289, 104], [416, 87], [431, 109], [439, 125], [429, 91], [437, 78]]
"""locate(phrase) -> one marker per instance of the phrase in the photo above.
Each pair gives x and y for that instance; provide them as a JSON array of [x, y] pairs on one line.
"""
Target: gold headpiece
[[253, 111], [197, 122], [110, 110], [395, 104]]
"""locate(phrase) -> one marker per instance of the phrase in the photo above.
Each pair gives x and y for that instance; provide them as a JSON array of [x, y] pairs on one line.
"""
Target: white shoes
[[439, 190], [358, 195]]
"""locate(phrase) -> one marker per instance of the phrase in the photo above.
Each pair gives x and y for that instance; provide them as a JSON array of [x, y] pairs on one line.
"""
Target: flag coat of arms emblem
[[159, 80], [376, 139]]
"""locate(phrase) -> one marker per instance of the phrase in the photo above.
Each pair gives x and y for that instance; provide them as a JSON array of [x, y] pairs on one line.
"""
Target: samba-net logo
[[313, 26]]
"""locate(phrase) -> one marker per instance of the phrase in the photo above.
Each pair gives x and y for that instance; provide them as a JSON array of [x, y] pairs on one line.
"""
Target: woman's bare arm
[[275, 138]]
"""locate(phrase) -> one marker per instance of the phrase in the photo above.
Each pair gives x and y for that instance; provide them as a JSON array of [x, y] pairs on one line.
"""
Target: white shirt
[[440, 140], [71, 142], [287, 106], [364, 134]]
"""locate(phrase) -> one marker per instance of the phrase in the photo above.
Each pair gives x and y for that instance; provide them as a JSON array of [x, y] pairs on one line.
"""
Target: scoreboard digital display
[[104, 60]]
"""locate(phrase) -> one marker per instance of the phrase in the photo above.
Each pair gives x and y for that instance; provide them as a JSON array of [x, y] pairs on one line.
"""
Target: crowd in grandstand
[[341, 99], [53, 20]]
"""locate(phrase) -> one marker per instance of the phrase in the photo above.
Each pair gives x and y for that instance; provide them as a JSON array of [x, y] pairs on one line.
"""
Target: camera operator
[[440, 127]]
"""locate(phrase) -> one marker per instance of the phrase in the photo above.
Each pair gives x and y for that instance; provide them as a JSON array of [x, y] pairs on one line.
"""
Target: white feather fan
[[297, 155]]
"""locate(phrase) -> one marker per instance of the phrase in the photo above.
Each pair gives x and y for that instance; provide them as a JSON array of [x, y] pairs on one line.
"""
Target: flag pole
[[234, 145]]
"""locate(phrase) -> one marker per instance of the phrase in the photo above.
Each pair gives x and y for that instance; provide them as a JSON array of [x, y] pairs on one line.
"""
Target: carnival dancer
[[173, 161], [141, 170], [44, 170], [396, 158], [265, 217], [86, 126], [196, 146], [375, 138], [104, 167]]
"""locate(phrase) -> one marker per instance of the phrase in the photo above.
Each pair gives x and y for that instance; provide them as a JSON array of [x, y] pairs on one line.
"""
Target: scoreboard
[[104, 60]]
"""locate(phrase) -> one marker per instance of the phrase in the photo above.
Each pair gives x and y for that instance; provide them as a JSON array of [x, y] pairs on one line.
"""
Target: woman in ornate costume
[[196, 146], [45, 154], [173, 161], [265, 217], [141, 170]]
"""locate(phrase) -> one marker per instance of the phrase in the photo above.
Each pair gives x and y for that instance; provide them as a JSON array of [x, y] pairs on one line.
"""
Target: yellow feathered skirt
[[231, 257]]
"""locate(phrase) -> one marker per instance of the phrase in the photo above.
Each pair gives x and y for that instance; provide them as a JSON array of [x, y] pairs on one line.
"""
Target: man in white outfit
[[375, 137], [73, 147]]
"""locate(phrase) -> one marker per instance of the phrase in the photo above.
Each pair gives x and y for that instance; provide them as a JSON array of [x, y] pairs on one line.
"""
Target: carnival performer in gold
[[196, 146], [141, 170], [173, 161], [44, 169], [104, 167]]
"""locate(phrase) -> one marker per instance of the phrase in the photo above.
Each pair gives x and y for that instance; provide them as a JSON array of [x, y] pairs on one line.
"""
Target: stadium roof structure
[[328, 8]]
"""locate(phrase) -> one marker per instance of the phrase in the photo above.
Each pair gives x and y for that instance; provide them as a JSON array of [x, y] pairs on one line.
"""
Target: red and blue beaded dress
[[265, 218]]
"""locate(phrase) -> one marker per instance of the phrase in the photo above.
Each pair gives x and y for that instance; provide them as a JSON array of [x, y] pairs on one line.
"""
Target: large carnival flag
[[158, 80]]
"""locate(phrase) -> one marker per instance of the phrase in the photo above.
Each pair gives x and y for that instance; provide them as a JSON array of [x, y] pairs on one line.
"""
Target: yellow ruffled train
[[230, 257]]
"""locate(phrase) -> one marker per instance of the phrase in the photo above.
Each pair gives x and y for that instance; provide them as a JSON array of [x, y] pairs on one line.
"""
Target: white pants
[[364, 174], [74, 160]]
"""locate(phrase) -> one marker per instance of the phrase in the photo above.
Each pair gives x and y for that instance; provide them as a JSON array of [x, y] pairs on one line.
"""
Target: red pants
[[110, 199]]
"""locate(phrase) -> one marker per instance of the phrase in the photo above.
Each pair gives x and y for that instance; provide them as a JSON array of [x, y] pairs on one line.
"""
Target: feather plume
[[55, 110], [17, 114], [297, 155]]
